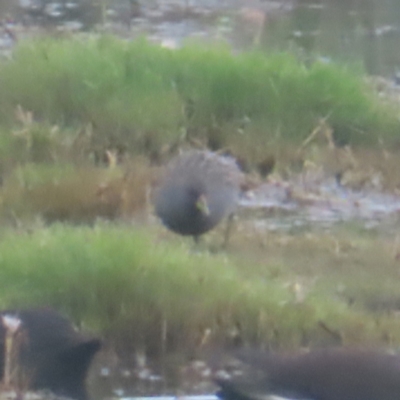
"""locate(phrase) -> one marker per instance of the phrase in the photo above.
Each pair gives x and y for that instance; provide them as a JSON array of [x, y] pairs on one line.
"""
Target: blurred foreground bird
[[331, 374], [199, 189], [46, 352]]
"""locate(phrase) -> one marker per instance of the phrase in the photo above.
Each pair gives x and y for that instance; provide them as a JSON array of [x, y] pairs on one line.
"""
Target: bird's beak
[[202, 205]]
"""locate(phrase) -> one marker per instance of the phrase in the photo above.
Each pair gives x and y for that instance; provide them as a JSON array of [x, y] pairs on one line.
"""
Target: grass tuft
[[141, 97], [136, 290]]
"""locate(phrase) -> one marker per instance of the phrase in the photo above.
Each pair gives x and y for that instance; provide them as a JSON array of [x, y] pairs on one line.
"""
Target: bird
[[199, 189], [335, 373], [50, 352]]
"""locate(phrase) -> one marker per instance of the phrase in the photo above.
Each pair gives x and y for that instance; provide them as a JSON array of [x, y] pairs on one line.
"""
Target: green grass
[[133, 288], [141, 97]]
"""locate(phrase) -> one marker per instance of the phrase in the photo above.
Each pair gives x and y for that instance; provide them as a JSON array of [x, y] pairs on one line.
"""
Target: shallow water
[[357, 31], [295, 206], [184, 397]]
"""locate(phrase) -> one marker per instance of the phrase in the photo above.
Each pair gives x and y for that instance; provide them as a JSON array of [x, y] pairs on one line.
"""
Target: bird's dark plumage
[[52, 354], [331, 374], [199, 189]]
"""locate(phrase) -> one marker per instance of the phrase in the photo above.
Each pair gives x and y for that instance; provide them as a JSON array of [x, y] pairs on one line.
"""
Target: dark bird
[[330, 374], [51, 353], [199, 189]]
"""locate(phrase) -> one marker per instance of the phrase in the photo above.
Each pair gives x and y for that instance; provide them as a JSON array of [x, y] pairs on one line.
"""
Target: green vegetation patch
[[140, 96], [137, 290]]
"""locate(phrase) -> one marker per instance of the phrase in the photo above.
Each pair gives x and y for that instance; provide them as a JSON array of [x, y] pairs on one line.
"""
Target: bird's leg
[[228, 229]]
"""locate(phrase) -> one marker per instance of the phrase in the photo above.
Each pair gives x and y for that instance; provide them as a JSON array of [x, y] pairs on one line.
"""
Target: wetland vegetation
[[85, 126]]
